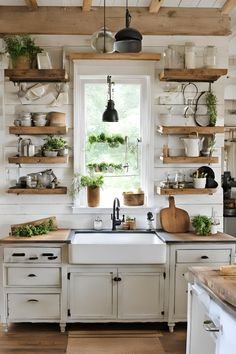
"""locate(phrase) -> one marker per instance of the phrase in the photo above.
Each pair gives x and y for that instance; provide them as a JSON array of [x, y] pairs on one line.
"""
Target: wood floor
[[32, 338]]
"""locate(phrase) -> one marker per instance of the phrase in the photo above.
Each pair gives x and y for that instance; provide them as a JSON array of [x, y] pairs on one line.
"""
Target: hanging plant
[[211, 101], [112, 140], [105, 167]]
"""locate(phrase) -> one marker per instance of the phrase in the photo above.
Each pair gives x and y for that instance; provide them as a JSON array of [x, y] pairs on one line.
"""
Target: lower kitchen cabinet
[[181, 258], [116, 293]]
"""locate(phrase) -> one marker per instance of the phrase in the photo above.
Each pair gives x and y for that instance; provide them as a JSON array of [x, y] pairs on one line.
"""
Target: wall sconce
[[103, 40], [110, 114]]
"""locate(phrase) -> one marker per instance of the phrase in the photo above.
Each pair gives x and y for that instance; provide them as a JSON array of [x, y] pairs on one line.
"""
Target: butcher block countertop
[[221, 287], [61, 235], [192, 237]]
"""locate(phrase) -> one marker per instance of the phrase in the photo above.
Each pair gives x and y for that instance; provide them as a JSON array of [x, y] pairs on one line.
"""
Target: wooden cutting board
[[174, 219]]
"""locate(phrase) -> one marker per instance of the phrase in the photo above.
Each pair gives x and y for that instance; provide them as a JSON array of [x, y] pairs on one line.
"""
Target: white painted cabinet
[[116, 293], [181, 258]]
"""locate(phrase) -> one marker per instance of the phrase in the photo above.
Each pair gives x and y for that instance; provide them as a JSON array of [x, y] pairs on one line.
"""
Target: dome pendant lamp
[[103, 40], [128, 40], [110, 114]]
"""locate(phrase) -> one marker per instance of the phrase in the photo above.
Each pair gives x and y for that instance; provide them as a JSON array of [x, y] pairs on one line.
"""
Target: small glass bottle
[[97, 224], [209, 56], [167, 56], [190, 55]]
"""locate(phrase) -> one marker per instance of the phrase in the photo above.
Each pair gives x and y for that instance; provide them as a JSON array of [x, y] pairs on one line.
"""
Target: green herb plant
[[105, 167], [202, 224], [33, 230], [80, 182], [18, 45], [198, 174], [211, 102], [113, 140], [54, 143]]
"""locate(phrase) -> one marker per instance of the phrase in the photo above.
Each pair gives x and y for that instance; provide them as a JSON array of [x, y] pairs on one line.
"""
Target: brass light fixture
[[103, 40], [110, 114]]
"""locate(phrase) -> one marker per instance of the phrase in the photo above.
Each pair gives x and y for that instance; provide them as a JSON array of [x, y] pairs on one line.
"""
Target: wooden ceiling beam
[[87, 4], [155, 6], [74, 21], [32, 4], [228, 7]]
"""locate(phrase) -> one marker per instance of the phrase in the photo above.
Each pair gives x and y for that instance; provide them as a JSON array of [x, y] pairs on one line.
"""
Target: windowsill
[[123, 209]]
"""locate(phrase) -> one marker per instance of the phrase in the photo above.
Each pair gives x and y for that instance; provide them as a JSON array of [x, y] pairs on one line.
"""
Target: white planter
[[199, 182], [48, 153]]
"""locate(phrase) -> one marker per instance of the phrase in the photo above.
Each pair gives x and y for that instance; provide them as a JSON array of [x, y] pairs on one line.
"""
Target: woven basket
[[133, 199]]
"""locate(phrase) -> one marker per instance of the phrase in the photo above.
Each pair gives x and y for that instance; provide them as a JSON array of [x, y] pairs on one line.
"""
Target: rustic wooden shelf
[[187, 159], [188, 130], [36, 75], [183, 191], [38, 159], [115, 56], [38, 130], [57, 190], [191, 75]]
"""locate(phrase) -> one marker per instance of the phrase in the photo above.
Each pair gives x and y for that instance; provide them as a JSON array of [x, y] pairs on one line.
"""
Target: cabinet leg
[[171, 327], [5, 327], [62, 327]]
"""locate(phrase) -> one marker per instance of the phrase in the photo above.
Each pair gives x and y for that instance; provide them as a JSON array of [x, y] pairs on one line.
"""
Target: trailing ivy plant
[[112, 140], [211, 102]]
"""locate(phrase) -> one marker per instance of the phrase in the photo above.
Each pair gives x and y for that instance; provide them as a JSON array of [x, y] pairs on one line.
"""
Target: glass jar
[[209, 56], [189, 55], [167, 56], [97, 224]]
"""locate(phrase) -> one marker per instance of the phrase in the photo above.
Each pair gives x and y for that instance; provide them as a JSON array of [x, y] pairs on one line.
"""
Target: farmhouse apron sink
[[116, 248]]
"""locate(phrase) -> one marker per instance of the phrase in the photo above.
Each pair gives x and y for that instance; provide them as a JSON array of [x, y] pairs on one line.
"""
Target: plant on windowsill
[[105, 167], [113, 140], [93, 185], [55, 146], [22, 51], [202, 224]]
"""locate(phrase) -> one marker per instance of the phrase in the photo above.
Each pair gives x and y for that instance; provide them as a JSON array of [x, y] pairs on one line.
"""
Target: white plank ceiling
[[141, 3]]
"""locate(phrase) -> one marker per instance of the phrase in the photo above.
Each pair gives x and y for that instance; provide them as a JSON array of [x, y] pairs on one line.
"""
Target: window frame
[[133, 70]]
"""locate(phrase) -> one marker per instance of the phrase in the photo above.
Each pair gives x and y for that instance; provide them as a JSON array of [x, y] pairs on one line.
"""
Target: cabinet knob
[[33, 258], [32, 275], [18, 254], [51, 258], [117, 279], [33, 300], [47, 254], [204, 257]]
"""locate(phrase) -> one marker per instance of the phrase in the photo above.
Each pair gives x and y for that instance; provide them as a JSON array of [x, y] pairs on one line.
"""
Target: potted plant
[[22, 51], [113, 140], [93, 184], [54, 146], [105, 167], [211, 101], [199, 179], [202, 224]]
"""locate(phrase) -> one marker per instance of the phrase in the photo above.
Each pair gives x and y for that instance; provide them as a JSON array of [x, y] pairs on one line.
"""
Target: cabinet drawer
[[33, 306], [32, 254], [203, 256], [33, 276]]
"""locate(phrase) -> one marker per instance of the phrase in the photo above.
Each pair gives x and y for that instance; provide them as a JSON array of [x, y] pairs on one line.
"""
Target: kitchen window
[[128, 165]]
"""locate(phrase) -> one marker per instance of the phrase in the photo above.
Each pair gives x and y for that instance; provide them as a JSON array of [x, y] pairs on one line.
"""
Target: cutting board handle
[[171, 202]]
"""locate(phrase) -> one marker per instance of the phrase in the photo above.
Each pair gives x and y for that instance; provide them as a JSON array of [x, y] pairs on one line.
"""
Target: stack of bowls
[[40, 119], [25, 119]]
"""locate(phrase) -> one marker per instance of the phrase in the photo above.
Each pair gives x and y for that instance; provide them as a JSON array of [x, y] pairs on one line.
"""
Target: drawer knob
[[47, 254], [51, 258], [117, 279], [210, 326], [204, 257], [33, 300], [33, 258], [32, 275], [18, 254]]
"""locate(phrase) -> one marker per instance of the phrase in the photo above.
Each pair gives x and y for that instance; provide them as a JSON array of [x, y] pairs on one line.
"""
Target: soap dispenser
[[150, 220]]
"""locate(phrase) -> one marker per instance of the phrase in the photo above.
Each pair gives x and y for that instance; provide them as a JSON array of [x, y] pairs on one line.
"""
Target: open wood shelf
[[36, 75], [38, 130], [115, 56], [191, 75], [38, 159], [183, 191], [187, 159], [57, 190], [188, 130]]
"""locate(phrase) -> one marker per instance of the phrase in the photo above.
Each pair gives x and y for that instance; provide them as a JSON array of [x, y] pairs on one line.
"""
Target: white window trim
[[117, 68]]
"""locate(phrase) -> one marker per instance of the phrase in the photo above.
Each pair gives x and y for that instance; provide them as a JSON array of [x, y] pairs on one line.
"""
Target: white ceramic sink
[[117, 248]]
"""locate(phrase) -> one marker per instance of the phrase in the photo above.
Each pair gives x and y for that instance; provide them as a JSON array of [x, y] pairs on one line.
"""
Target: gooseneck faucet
[[115, 214]]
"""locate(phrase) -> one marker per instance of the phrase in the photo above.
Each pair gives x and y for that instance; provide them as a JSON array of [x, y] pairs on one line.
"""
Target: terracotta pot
[[22, 62], [93, 196]]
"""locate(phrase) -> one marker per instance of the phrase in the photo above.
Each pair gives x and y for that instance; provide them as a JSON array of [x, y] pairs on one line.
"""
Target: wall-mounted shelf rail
[[37, 159], [47, 130], [187, 159], [184, 191], [172, 130], [115, 56], [36, 75], [191, 75], [57, 190]]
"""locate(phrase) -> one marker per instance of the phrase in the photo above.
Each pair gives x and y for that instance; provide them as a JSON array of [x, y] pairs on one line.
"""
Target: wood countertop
[[61, 235], [222, 286], [192, 237]]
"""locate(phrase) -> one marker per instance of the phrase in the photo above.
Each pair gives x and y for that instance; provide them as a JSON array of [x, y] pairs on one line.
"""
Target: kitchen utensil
[[174, 219]]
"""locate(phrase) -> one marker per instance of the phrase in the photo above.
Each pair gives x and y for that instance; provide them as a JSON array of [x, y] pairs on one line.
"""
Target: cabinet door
[[93, 294], [181, 288], [140, 295]]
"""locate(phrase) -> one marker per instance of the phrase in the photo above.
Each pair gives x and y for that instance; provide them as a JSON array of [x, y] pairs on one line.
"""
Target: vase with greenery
[[211, 102], [54, 146], [202, 224], [113, 140], [199, 179], [22, 51]]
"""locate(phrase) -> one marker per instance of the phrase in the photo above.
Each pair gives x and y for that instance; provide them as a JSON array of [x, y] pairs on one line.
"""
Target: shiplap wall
[[22, 208]]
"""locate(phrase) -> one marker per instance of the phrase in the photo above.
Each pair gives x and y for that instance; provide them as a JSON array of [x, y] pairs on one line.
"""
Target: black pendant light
[[110, 114], [128, 40]]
